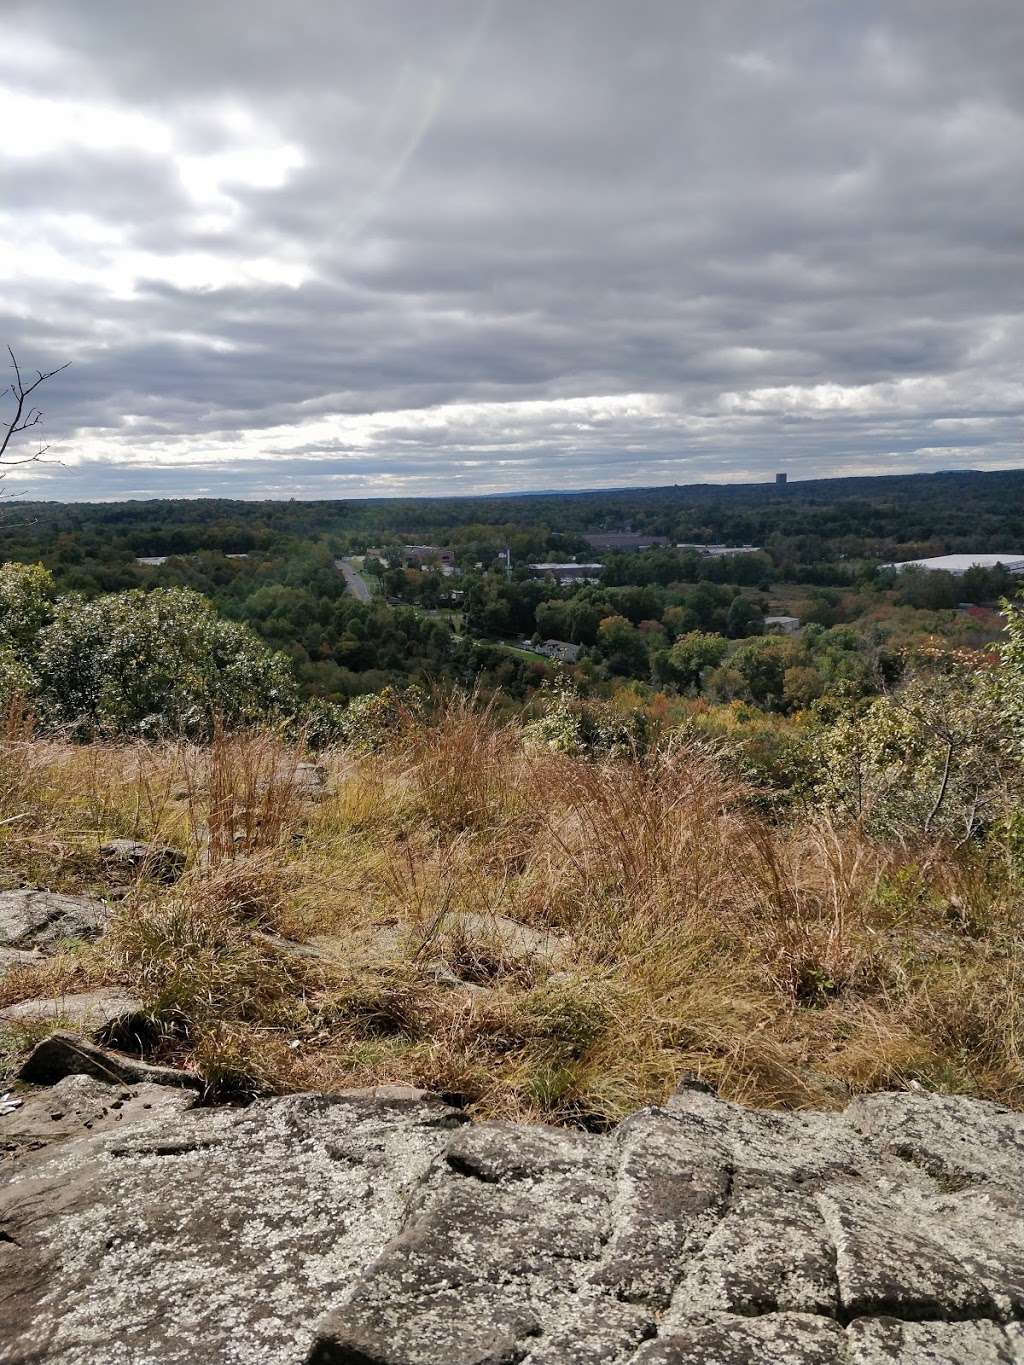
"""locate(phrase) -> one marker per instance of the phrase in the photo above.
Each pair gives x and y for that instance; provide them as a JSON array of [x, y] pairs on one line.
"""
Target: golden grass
[[791, 965]]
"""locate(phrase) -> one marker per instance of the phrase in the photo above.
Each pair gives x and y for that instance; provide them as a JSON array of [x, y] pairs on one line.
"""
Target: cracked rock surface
[[381, 1228]]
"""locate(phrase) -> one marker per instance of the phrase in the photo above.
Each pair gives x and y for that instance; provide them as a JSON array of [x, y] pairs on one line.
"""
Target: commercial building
[[782, 625], [429, 554], [569, 573], [718, 551], [957, 565], [560, 650]]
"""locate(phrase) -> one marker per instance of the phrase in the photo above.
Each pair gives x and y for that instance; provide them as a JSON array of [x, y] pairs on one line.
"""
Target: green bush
[[133, 663], [589, 729], [933, 758]]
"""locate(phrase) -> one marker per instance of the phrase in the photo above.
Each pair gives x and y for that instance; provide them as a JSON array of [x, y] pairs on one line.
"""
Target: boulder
[[42, 920], [159, 861], [380, 1228], [310, 780]]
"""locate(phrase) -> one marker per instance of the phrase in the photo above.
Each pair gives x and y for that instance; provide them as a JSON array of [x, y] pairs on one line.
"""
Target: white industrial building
[[958, 565], [718, 551], [569, 573]]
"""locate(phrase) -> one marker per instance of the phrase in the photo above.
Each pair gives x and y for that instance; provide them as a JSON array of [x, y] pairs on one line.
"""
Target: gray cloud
[[477, 246]]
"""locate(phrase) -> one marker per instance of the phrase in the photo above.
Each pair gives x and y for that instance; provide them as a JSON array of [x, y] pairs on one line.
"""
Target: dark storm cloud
[[475, 246]]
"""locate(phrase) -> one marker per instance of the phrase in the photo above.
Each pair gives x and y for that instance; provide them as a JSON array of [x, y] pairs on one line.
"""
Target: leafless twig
[[26, 414]]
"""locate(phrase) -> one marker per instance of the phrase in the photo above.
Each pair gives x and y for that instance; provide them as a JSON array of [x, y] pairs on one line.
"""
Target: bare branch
[[25, 416]]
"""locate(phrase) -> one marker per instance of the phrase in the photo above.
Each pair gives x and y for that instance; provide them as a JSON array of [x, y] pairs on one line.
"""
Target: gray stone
[[378, 1227], [882, 1341], [365, 944], [44, 919], [215, 1235], [310, 779], [468, 1326], [85, 1010], [510, 936], [955, 1145], [598, 1331], [370, 943], [19, 957], [770, 1253], [895, 1258], [66, 1054], [159, 861], [78, 1105], [775, 1339], [670, 1196], [505, 1151]]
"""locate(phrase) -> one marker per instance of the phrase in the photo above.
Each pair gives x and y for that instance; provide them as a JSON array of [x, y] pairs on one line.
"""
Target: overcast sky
[[371, 247]]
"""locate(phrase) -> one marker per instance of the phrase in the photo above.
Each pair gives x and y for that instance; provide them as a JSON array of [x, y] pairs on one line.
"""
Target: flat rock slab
[[85, 1010], [369, 943], [214, 1235], [42, 920], [379, 1228], [513, 937], [80, 1105]]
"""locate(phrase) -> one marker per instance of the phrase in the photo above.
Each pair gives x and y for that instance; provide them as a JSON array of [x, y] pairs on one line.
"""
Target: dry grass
[[789, 965]]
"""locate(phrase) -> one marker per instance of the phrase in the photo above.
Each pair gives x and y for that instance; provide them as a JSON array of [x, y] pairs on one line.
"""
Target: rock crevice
[[381, 1228]]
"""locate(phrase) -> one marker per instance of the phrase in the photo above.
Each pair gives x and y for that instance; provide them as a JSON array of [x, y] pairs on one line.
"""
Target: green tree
[[762, 664], [623, 647], [743, 618], [158, 663], [26, 604], [692, 654]]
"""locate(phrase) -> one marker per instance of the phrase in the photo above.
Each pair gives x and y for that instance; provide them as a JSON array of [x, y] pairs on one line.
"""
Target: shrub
[[933, 758], [587, 729], [152, 664], [369, 723]]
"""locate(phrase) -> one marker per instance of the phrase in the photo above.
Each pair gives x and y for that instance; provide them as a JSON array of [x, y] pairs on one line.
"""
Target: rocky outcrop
[[78, 1105], [66, 1054], [19, 957], [462, 948], [381, 1228], [39, 921]]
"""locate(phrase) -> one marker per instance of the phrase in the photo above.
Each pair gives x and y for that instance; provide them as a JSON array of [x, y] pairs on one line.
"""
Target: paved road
[[354, 580]]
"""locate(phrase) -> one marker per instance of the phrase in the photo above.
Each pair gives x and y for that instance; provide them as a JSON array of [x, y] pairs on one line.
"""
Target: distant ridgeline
[[955, 506]]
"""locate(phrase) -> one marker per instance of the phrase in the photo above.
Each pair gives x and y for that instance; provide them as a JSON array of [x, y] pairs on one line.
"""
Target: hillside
[[542, 934], [323, 984], [616, 1026]]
